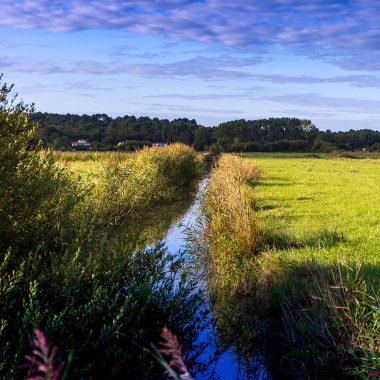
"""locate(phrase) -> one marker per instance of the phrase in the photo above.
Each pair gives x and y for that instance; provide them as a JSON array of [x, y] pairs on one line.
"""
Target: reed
[[127, 185], [234, 233], [234, 239]]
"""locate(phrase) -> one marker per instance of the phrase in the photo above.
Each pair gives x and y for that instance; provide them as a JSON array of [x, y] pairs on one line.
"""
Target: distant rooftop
[[81, 144]]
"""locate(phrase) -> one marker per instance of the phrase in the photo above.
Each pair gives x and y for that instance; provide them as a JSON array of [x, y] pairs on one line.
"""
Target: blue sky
[[212, 60]]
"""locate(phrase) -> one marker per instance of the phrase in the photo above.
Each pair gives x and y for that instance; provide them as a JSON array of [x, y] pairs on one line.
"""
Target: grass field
[[326, 209], [318, 215], [88, 165]]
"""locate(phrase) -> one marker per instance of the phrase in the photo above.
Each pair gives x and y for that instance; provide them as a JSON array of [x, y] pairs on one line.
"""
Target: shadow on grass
[[304, 198], [320, 239], [323, 322], [276, 183]]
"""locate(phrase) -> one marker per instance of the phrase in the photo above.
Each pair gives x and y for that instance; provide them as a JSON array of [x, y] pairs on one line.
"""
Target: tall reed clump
[[335, 327], [129, 185], [234, 234], [234, 239]]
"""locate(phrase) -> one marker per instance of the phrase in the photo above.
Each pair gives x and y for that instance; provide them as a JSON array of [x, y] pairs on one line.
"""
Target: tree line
[[266, 135]]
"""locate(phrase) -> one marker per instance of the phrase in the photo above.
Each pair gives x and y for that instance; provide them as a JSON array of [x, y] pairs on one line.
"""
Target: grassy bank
[[305, 286], [234, 239], [63, 268], [232, 228], [319, 221]]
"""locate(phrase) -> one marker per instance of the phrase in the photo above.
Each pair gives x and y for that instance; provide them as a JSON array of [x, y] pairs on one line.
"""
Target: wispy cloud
[[360, 81], [365, 106], [252, 93], [198, 67], [186, 109], [344, 32]]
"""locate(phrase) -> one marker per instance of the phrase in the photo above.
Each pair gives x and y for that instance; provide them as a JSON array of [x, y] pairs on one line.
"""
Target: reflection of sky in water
[[226, 367]]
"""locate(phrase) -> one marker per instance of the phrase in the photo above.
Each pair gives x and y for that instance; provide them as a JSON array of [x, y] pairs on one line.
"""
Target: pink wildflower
[[41, 364], [171, 349]]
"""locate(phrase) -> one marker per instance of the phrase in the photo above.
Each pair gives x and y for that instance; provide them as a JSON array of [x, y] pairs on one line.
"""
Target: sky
[[211, 60]]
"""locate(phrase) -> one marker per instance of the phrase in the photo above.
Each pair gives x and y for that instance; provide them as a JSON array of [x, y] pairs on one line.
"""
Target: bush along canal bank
[[100, 303], [234, 240]]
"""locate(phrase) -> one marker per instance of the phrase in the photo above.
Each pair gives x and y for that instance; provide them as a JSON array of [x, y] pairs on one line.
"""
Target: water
[[227, 364]]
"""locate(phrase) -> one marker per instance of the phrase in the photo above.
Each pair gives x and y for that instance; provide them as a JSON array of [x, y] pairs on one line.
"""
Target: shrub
[[36, 197], [102, 308], [99, 303]]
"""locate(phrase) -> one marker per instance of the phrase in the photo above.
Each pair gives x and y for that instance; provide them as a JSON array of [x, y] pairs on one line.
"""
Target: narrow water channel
[[227, 364]]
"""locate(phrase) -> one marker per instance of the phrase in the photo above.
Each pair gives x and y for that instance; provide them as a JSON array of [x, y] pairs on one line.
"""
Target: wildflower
[[41, 364], [172, 350]]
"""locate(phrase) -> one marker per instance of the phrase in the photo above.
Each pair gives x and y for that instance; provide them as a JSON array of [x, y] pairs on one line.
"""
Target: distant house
[[159, 144], [81, 145]]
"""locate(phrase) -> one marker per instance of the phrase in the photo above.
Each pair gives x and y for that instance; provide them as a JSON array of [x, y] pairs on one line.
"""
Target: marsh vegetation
[[290, 254], [66, 270]]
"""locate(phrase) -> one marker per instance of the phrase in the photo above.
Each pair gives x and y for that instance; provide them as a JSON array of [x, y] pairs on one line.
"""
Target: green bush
[[100, 304], [36, 197], [103, 308]]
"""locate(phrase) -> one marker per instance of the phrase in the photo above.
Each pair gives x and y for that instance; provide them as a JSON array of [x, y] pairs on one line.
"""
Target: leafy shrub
[[103, 309], [36, 197], [102, 305]]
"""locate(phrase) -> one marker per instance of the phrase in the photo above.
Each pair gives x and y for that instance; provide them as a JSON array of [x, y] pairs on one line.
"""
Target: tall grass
[[234, 239], [334, 326], [129, 185], [234, 234]]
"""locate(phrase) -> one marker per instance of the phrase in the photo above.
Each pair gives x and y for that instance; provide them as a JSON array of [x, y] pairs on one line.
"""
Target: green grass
[[88, 165], [325, 209], [319, 217]]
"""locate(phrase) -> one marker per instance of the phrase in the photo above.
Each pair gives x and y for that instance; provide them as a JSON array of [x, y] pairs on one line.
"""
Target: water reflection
[[221, 361]]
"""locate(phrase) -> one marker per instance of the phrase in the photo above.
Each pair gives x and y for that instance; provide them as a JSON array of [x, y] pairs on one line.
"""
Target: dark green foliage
[[264, 135], [104, 307], [352, 140], [97, 301], [106, 133]]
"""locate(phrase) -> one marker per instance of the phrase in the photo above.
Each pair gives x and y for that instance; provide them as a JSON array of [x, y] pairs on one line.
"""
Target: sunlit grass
[[87, 165], [321, 260], [326, 209]]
